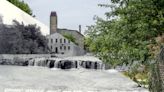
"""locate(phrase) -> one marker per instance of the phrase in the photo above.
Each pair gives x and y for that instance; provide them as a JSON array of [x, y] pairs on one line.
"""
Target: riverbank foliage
[[128, 34], [22, 5]]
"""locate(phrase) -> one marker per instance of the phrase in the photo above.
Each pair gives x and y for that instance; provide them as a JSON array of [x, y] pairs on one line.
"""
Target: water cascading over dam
[[61, 63], [66, 63]]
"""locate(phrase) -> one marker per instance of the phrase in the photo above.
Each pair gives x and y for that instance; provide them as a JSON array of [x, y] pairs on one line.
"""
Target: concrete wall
[[23, 56], [9, 12]]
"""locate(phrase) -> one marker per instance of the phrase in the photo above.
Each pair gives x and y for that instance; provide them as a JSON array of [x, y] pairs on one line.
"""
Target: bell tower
[[53, 22]]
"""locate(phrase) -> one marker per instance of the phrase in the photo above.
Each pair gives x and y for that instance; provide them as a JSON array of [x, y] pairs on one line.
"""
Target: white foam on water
[[112, 71]]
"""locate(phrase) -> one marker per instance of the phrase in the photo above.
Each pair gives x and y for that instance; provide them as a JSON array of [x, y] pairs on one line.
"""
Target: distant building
[[59, 44]]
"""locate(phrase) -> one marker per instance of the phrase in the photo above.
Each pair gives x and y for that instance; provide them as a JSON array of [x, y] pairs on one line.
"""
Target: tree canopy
[[21, 39], [70, 38], [22, 5], [131, 26], [133, 31]]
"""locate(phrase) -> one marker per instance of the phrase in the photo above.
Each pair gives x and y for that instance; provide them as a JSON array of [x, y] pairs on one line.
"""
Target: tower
[[1, 21], [53, 22]]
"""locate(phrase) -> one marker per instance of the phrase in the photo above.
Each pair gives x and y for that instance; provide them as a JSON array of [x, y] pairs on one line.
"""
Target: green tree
[[22, 5], [126, 33], [70, 38], [129, 28]]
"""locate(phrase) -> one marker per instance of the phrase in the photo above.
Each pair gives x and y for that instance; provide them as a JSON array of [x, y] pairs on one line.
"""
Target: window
[[60, 40], [56, 50], [56, 40], [51, 40], [60, 47], [64, 40], [64, 47], [68, 41], [69, 48], [51, 48]]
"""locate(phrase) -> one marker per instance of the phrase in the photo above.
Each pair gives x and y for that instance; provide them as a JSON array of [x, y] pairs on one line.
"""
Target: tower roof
[[53, 13]]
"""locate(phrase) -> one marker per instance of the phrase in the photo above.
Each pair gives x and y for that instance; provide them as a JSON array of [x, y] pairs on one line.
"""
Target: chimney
[[1, 21], [53, 22], [80, 28]]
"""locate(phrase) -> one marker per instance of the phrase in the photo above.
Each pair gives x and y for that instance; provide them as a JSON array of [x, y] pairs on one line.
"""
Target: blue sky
[[71, 13]]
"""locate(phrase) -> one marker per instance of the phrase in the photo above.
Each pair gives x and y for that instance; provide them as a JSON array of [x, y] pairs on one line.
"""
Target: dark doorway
[[56, 50]]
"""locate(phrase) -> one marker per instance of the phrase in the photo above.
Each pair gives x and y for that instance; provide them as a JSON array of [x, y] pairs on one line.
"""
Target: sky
[[71, 13]]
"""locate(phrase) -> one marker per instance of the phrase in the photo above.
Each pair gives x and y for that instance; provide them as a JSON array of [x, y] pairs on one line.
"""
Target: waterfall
[[65, 63]]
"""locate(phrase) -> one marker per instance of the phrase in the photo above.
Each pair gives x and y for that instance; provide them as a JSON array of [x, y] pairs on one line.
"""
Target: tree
[[70, 38], [127, 33], [21, 39], [22, 5]]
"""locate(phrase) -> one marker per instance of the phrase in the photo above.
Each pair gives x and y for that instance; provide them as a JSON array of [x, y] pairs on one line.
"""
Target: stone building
[[59, 44]]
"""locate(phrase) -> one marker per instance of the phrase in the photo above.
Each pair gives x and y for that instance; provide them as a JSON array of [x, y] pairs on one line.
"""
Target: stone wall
[[161, 72], [23, 56], [161, 67]]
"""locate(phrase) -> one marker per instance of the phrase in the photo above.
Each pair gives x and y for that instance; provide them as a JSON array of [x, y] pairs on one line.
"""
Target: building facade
[[79, 38], [61, 46]]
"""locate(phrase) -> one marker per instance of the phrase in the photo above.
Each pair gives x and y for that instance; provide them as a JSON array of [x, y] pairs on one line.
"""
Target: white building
[[61, 46]]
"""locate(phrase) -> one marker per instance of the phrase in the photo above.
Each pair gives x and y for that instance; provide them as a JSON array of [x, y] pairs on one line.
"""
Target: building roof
[[59, 29], [53, 13]]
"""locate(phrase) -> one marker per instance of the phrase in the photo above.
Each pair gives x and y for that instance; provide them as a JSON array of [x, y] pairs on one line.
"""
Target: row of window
[[62, 48], [61, 41]]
